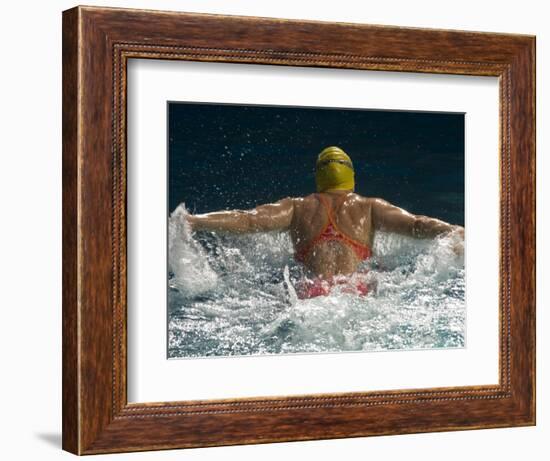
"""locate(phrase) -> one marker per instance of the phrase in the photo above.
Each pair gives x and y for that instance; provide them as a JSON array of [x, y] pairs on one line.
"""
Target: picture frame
[[97, 44]]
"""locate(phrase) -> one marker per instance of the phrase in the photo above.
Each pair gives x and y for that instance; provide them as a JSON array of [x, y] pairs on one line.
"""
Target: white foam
[[187, 260]]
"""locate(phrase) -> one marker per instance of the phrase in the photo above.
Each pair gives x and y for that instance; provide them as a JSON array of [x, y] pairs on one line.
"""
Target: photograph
[[300, 230]]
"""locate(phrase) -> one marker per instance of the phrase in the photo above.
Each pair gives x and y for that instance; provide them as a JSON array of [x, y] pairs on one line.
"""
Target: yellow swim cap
[[334, 170]]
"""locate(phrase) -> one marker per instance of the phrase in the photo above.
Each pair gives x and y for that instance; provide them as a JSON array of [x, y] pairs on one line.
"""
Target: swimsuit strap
[[362, 250], [328, 208]]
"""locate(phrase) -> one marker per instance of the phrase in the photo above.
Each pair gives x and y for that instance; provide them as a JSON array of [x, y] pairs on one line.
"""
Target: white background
[[153, 378], [30, 251]]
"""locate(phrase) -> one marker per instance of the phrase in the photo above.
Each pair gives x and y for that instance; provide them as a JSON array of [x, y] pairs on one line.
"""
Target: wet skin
[[358, 217]]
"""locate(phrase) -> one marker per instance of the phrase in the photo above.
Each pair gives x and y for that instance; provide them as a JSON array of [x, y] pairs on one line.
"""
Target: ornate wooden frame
[[97, 43]]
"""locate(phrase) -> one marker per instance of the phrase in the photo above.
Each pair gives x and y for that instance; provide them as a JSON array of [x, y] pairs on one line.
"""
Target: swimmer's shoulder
[[307, 198], [353, 198], [301, 203], [296, 202], [360, 200], [369, 201], [366, 205]]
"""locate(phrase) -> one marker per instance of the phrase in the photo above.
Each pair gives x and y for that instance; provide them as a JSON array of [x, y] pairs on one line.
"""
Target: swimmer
[[332, 230]]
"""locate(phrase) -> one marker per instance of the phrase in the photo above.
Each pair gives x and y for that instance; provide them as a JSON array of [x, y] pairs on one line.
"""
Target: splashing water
[[234, 295]]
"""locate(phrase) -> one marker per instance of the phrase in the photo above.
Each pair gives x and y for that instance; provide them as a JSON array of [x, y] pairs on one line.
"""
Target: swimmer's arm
[[270, 217], [388, 217]]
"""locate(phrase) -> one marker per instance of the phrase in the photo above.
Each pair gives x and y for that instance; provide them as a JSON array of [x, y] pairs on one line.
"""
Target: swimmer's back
[[353, 218]]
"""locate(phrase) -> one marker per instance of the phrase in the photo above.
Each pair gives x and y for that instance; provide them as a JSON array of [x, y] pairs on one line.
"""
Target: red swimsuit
[[330, 231]]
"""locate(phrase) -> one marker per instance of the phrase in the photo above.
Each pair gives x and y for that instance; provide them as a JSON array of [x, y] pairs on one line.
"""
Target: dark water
[[234, 294], [230, 156]]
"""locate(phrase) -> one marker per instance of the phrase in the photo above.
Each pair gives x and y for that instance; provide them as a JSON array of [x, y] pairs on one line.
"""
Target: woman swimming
[[332, 230]]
